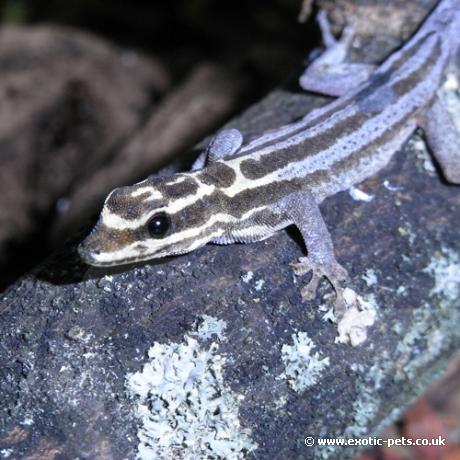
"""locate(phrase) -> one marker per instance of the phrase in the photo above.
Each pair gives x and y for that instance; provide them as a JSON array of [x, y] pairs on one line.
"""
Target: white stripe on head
[[154, 193], [153, 244], [113, 220]]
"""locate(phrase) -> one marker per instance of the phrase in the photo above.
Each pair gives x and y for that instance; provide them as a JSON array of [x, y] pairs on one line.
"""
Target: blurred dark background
[[182, 32]]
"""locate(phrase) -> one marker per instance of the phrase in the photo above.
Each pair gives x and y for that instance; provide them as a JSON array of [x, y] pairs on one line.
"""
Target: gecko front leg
[[301, 209], [224, 144]]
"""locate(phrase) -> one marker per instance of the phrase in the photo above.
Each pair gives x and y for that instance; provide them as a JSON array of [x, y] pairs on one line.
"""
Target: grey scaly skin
[[240, 192]]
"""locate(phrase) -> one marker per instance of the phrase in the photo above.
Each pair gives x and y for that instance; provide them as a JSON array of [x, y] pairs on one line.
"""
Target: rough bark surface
[[72, 337]]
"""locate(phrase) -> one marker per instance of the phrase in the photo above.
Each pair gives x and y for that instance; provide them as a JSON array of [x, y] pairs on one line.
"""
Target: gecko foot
[[333, 271]]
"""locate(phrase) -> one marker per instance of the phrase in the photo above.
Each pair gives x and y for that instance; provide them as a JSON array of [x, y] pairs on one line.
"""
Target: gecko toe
[[334, 272], [308, 292], [301, 267]]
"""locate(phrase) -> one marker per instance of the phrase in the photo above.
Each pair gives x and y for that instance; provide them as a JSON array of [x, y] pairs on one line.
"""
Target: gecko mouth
[[88, 256], [91, 258], [93, 251]]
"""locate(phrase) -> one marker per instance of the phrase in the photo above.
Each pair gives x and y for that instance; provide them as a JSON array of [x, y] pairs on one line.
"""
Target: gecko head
[[158, 217]]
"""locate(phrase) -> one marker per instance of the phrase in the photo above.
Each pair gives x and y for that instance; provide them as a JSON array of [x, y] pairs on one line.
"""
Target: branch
[[213, 353]]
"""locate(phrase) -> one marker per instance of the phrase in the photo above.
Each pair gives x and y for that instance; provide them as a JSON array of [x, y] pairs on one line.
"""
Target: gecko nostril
[[88, 249]]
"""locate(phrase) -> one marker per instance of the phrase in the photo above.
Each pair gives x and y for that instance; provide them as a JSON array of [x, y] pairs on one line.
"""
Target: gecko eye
[[158, 225]]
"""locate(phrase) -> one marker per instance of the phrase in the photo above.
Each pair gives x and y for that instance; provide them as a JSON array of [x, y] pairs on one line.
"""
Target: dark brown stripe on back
[[376, 80], [370, 106], [255, 169], [404, 85], [354, 160]]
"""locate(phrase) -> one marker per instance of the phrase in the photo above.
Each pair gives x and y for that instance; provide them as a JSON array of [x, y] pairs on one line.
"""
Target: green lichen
[[185, 408], [445, 268], [370, 277], [303, 366], [209, 327], [424, 331]]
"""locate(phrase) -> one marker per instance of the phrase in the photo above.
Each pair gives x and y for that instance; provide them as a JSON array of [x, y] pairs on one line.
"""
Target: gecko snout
[[89, 249]]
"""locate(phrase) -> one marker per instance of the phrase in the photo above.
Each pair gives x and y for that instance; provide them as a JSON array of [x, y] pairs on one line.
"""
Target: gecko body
[[239, 192]]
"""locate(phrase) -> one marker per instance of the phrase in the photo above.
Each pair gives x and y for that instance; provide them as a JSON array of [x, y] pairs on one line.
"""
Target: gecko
[[243, 192]]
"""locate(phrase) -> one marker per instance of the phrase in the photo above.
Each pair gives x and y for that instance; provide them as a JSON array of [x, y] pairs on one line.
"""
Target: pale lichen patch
[[246, 277], [185, 408], [424, 333], [370, 277], [303, 366], [368, 403], [407, 232], [421, 335], [328, 311], [28, 421], [259, 284], [445, 268], [417, 144], [280, 402], [210, 326], [359, 316]]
